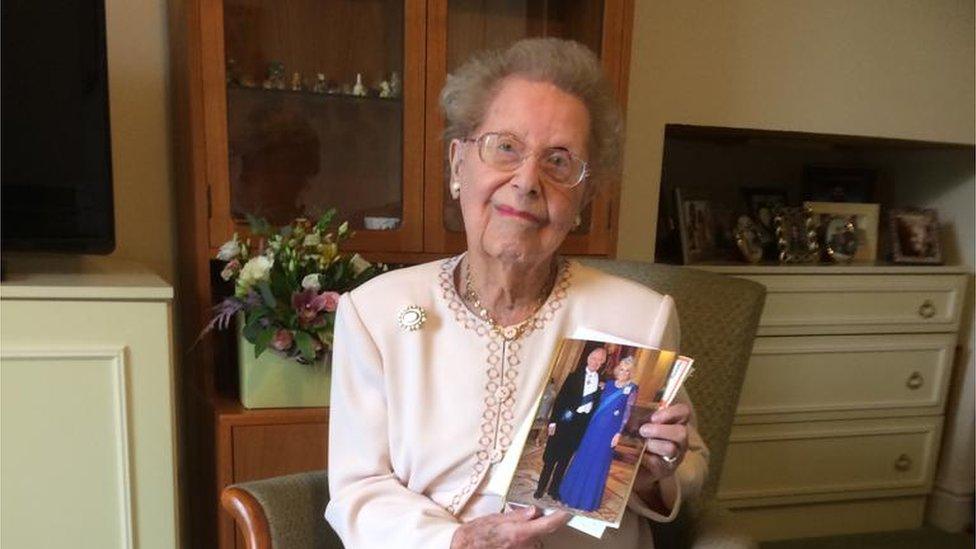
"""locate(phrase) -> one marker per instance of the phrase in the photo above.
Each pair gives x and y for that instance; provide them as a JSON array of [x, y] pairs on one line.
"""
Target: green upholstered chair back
[[718, 315], [294, 506]]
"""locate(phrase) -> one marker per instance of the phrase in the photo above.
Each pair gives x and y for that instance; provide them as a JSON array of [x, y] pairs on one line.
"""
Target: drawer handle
[[926, 309], [903, 463], [915, 381]]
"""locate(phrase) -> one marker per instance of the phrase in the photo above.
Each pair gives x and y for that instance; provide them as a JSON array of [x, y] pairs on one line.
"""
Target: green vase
[[273, 381]]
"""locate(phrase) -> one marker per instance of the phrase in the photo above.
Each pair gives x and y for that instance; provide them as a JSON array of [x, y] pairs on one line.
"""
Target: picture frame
[[748, 239], [796, 235], [696, 226], [914, 235], [838, 237], [866, 224], [762, 202]]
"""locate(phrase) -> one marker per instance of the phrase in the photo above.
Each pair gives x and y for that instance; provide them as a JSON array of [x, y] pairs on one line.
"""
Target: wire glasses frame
[[504, 151]]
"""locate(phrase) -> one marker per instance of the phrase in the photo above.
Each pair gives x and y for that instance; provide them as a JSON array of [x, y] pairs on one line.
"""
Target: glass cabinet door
[[315, 94], [470, 26]]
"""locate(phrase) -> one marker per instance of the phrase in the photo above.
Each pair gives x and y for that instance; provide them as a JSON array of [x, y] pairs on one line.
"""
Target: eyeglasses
[[504, 151]]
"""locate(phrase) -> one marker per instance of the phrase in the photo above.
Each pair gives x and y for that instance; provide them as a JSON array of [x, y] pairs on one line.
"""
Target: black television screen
[[56, 191]]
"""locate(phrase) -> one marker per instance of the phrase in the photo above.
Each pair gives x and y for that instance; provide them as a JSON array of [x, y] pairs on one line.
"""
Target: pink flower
[[308, 304], [331, 301], [282, 340], [230, 269]]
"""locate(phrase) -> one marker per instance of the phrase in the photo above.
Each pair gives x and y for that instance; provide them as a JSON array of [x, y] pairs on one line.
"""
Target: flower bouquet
[[288, 287]]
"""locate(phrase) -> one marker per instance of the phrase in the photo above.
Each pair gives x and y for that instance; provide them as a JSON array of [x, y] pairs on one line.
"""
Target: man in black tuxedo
[[574, 405]]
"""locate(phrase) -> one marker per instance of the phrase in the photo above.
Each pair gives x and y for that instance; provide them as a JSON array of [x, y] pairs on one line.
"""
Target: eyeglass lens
[[506, 152]]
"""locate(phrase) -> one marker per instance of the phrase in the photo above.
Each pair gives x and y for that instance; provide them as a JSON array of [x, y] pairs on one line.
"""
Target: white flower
[[311, 282], [255, 270], [229, 250], [358, 264], [312, 240], [344, 228]]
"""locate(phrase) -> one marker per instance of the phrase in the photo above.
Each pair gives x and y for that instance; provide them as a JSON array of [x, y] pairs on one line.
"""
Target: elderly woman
[[437, 366]]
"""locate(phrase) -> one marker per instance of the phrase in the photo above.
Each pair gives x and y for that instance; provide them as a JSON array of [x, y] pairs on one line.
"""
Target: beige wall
[[890, 68], [138, 65]]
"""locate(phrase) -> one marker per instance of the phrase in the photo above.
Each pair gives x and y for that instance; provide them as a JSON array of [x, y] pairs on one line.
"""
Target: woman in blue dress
[[582, 487]]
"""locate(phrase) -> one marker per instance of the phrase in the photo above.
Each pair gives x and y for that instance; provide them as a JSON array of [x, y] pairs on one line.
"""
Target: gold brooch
[[411, 318]]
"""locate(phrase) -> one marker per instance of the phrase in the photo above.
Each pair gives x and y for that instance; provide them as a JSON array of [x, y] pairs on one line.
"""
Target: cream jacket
[[420, 420]]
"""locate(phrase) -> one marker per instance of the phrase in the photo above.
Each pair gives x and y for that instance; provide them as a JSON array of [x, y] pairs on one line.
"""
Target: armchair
[[719, 316]]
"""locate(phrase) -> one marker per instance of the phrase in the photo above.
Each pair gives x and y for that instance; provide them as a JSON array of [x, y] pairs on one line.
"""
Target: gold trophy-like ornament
[[796, 235]]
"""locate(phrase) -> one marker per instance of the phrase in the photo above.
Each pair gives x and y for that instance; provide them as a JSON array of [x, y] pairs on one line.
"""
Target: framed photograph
[[579, 456], [696, 227], [762, 203], [865, 224], [748, 239], [838, 184], [796, 235], [838, 237], [915, 236]]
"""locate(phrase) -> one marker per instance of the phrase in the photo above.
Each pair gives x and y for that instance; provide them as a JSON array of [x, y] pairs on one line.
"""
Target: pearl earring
[[455, 189], [579, 221]]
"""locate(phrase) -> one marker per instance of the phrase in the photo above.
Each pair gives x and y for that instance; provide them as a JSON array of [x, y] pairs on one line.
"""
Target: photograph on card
[[579, 456]]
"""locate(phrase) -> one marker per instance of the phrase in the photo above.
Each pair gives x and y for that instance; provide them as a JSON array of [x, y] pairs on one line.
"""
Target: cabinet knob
[[903, 463], [926, 309], [915, 381]]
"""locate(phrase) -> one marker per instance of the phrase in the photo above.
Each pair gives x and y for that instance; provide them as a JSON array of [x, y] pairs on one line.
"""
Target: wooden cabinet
[[286, 132], [259, 131], [841, 411], [256, 444]]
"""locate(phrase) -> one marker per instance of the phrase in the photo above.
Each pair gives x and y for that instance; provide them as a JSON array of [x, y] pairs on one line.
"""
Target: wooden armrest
[[249, 517]]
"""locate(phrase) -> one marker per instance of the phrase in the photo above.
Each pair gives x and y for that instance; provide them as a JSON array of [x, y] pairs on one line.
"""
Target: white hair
[[568, 65]]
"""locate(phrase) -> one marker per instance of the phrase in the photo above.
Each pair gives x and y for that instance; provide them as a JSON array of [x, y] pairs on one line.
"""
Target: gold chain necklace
[[510, 333]]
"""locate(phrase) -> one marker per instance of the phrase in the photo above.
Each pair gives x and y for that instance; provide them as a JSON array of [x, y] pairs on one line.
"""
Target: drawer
[[875, 374], [830, 460], [824, 304]]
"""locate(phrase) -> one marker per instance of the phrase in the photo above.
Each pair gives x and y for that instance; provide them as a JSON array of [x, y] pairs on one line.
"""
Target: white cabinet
[[840, 418], [88, 447]]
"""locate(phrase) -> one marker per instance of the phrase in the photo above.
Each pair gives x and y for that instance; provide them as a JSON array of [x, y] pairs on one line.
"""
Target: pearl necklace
[[509, 333]]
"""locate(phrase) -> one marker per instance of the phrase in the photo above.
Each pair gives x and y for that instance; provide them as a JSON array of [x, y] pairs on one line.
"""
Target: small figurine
[[358, 88], [396, 86], [319, 86], [385, 89], [276, 76], [296, 81]]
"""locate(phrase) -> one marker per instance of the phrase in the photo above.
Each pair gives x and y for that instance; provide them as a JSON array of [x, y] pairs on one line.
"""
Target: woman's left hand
[[666, 440]]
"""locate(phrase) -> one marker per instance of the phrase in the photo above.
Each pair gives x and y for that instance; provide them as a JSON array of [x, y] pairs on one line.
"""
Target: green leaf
[[279, 283], [251, 327], [325, 219], [266, 294], [305, 345], [340, 272], [262, 340]]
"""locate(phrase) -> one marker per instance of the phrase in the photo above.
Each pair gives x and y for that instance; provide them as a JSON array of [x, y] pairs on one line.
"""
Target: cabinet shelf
[[342, 97]]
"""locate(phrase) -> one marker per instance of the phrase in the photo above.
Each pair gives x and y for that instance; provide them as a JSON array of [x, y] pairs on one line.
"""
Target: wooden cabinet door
[[265, 451], [458, 28], [259, 444], [288, 132]]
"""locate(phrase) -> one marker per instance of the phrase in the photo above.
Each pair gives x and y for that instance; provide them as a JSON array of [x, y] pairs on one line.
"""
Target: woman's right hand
[[518, 529]]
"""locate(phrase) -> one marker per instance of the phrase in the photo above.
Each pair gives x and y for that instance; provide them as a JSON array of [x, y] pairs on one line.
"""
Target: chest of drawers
[[839, 423]]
